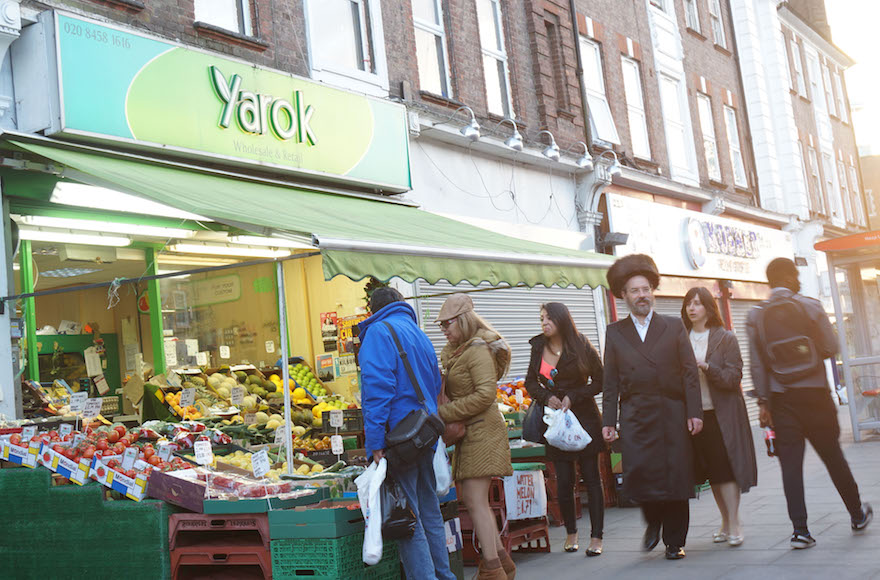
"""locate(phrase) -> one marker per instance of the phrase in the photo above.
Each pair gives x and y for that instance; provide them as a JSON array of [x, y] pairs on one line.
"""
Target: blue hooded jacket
[[387, 394]]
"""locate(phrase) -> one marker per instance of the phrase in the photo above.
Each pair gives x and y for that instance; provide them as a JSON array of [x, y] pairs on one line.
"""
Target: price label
[[192, 346], [173, 379], [279, 436], [204, 453], [77, 439], [65, 429], [250, 418], [270, 346], [187, 397], [78, 401], [224, 352], [237, 395], [129, 457], [202, 359], [92, 408], [165, 452], [519, 397], [336, 418], [101, 385], [260, 464], [28, 433], [336, 445]]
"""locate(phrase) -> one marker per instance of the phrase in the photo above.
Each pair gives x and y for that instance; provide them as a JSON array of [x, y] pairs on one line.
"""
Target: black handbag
[[398, 519], [416, 433], [533, 426]]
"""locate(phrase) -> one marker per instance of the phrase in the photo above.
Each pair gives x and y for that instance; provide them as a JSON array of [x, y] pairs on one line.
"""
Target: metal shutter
[[666, 306], [514, 312], [739, 311]]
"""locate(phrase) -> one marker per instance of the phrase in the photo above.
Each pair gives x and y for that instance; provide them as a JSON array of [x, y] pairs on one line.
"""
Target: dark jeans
[[672, 516], [565, 484], [809, 413]]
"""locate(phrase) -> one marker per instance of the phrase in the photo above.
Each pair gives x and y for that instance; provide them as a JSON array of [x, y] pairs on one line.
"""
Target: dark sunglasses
[[444, 324], [553, 374]]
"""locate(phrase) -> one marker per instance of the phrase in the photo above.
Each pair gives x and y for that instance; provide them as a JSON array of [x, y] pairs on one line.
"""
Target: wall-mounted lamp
[[585, 161], [614, 168], [515, 141], [472, 129], [552, 150]]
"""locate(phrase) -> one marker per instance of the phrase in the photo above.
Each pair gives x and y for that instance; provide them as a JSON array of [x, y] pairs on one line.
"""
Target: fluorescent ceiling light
[[68, 272], [271, 242], [221, 250], [178, 260], [81, 195], [68, 237], [102, 226]]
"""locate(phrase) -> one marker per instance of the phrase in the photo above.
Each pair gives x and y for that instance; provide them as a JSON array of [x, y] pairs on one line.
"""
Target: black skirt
[[710, 455]]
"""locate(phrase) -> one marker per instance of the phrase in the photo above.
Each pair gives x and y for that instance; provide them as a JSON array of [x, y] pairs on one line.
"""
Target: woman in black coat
[[565, 372], [724, 449]]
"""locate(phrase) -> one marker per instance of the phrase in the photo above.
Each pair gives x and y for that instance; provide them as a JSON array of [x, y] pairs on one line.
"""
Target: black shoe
[[652, 537], [801, 541], [673, 553], [860, 524]]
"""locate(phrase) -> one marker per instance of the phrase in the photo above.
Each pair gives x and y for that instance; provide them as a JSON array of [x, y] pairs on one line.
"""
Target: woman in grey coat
[[724, 450]]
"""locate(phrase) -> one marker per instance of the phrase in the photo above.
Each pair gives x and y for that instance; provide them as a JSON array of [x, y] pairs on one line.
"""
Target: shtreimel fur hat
[[629, 266]]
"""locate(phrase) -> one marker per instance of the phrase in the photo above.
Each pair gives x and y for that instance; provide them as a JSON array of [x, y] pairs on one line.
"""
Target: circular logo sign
[[143, 303], [695, 243]]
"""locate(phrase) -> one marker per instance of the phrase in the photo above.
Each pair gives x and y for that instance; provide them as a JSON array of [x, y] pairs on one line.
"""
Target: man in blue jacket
[[387, 396]]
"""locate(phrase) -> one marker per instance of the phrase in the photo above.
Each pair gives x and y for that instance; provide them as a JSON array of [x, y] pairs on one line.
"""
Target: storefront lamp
[[515, 141], [585, 161], [226, 250], [552, 150], [472, 129], [103, 226], [613, 168], [271, 242], [81, 195], [69, 237]]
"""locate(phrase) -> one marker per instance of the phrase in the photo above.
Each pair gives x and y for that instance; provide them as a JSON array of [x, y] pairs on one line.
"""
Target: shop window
[[495, 67], [829, 92], [798, 63], [600, 113], [736, 156], [635, 105], [717, 23], [692, 15], [232, 15], [841, 98], [710, 145], [431, 49]]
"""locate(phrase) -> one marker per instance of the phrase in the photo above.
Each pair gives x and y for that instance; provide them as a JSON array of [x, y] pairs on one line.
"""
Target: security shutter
[[514, 312], [739, 310], [666, 306]]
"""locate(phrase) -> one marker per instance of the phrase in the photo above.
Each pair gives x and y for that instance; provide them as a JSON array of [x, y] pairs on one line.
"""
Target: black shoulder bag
[[416, 433]]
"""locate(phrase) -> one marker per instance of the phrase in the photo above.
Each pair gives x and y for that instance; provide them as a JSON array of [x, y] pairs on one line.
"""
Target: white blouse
[[700, 344]]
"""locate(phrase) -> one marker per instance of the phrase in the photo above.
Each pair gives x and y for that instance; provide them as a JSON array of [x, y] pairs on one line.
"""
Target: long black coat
[[657, 388], [569, 381], [724, 378]]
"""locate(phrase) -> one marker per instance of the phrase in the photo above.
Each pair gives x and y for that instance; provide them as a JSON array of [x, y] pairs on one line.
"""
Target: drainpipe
[[580, 74]]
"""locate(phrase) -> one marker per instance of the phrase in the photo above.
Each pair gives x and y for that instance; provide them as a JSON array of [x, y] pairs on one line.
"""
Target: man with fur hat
[[651, 378]]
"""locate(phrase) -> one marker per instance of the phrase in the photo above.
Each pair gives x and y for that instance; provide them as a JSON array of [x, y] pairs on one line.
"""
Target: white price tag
[[336, 445], [65, 429], [279, 435], [187, 397], [202, 359], [192, 346], [260, 463], [165, 452], [237, 395], [224, 352], [250, 418], [519, 396], [28, 433], [101, 385], [336, 418], [129, 457], [204, 453], [78, 401], [77, 439], [170, 352], [270, 346], [92, 408]]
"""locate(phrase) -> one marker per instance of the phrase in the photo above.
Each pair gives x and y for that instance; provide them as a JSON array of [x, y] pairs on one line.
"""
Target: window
[[815, 184], [680, 166], [234, 15], [829, 92], [692, 16], [844, 192], [736, 157], [811, 201], [833, 199], [431, 47], [600, 112], [635, 105], [494, 58], [841, 98], [857, 202], [661, 4], [717, 23], [707, 126], [552, 29], [788, 66], [798, 67]]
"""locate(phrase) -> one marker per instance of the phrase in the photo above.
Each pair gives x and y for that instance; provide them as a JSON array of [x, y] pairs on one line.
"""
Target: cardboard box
[[26, 456], [77, 472], [132, 488]]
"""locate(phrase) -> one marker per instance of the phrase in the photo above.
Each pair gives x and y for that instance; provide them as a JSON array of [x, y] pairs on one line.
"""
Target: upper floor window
[[841, 98], [844, 192], [829, 92], [707, 126], [736, 156], [692, 15], [661, 4], [594, 82], [233, 15], [815, 184], [798, 63], [635, 106], [679, 144], [856, 198], [495, 70], [830, 194], [431, 47], [717, 23]]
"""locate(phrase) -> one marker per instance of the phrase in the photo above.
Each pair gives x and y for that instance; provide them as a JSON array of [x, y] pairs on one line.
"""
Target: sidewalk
[[838, 555]]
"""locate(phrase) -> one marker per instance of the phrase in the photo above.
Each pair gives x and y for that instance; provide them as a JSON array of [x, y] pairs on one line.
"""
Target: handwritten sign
[[202, 359], [260, 463], [237, 395], [224, 351], [279, 436], [204, 453], [78, 401], [525, 495], [270, 346], [187, 397], [336, 418], [336, 445], [92, 408]]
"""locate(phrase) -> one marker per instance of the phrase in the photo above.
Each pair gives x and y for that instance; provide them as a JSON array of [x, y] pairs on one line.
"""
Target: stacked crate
[[554, 512], [208, 545]]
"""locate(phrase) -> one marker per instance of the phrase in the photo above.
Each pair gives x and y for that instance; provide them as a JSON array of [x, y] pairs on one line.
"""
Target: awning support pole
[[30, 314], [844, 350], [285, 369], [155, 300]]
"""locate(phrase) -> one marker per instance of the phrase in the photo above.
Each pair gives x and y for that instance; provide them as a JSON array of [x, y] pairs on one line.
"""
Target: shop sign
[[216, 290], [694, 244], [120, 85]]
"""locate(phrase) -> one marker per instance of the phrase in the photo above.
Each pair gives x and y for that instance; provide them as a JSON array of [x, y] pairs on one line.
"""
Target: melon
[[261, 418]]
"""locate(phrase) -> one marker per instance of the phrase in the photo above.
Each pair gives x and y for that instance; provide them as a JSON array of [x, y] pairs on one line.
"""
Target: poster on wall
[[346, 365], [329, 331], [347, 332], [325, 367]]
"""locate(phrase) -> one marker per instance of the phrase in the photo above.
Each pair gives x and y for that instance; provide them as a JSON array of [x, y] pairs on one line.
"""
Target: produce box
[[26, 456], [77, 472], [336, 483], [331, 518], [331, 558], [131, 487]]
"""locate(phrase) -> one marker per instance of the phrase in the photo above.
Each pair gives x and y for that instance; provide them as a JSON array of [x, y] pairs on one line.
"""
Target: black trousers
[[809, 414], [672, 516], [565, 484]]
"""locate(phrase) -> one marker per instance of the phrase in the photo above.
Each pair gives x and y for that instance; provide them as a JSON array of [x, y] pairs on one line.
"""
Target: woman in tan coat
[[473, 360]]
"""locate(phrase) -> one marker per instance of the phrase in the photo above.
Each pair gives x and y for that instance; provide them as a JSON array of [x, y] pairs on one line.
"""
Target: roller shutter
[[739, 310]]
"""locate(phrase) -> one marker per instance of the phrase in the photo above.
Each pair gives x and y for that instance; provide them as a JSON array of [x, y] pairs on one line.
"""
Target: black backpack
[[787, 334]]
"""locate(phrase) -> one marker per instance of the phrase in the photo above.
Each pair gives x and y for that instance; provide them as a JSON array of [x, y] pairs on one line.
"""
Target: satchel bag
[[454, 431], [416, 433]]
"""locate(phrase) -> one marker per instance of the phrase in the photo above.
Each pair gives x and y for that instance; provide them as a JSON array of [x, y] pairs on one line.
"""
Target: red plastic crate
[[527, 536], [187, 530], [219, 560]]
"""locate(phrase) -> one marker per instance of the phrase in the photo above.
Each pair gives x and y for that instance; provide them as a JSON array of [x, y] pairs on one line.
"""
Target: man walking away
[[387, 396], [790, 336]]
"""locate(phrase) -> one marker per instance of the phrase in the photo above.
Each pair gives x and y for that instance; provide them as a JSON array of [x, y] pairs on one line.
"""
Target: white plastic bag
[[368, 485], [442, 471], [564, 431]]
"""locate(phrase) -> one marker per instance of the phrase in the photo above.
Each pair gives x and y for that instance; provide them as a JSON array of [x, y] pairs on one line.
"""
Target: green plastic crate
[[331, 558], [456, 564], [532, 466], [329, 519]]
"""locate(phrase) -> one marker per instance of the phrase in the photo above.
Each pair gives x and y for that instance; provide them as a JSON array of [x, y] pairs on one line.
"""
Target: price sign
[[270, 346], [165, 452], [224, 352], [187, 397], [279, 436], [519, 397], [202, 359], [92, 408], [237, 395], [77, 439], [129, 457], [250, 418], [65, 429], [28, 433], [336, 418], [336, 445], [101, 385], [204, 453], [173, 379], [260, 464], [78, 401]]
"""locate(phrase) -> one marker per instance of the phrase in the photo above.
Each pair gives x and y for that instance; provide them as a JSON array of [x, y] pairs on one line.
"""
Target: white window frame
[[373, 82], [596, 97], [659, 4], [707, 128], [500, 56], [831, 193], [635, 107], [803, 160], [439, 31], [841, 98], [798, 67], [717, 23], [243, 8], [692, 15], [740, 180], [844, 192], [816, 181], [856, 197], [686, 171], [829, 91]]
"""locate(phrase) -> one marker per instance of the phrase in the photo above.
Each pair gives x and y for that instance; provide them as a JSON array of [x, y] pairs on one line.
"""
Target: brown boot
[[507, 564], [490, 570]]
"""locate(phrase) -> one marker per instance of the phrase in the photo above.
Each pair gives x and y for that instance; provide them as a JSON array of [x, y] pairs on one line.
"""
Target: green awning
[[358, 237]]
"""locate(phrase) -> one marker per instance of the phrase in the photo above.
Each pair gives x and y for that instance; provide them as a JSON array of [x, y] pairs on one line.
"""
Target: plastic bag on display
[[442, 471], [564, 431], [369, 487], [398, 519]]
